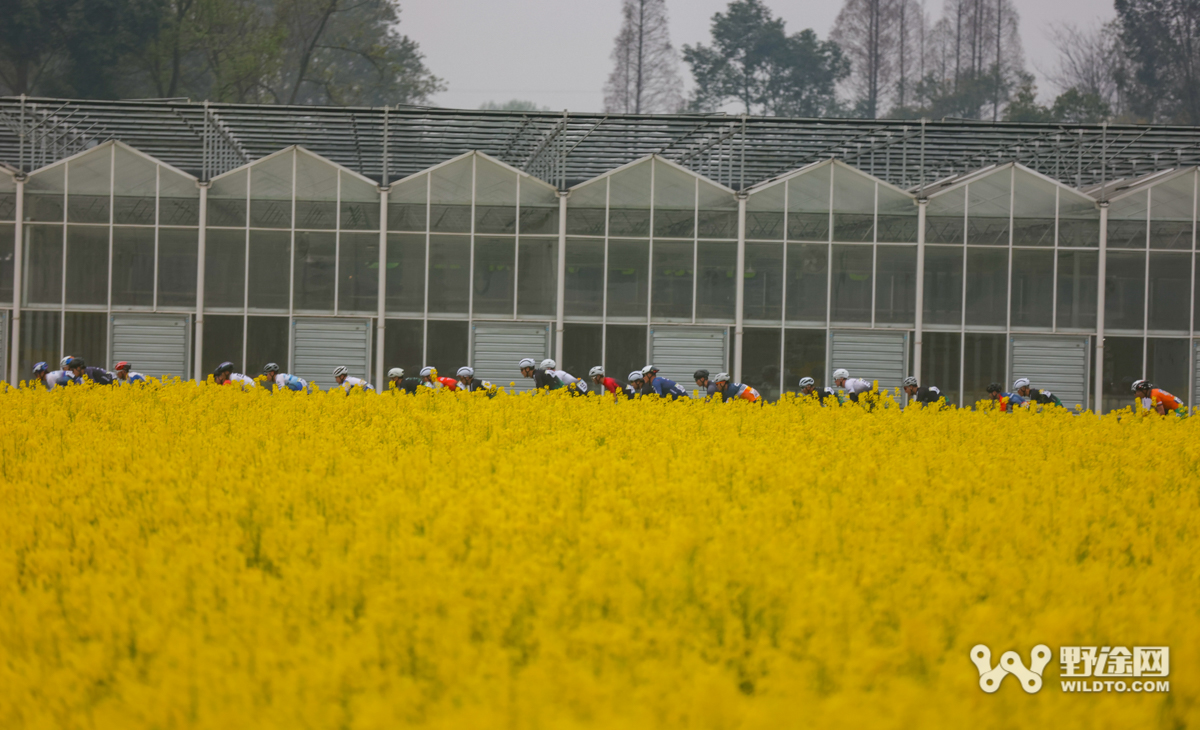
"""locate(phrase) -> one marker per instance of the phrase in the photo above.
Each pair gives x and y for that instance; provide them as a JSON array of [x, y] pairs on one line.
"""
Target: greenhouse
[[772, 252]]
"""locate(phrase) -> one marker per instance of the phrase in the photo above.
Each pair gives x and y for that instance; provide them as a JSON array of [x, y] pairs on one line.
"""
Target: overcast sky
[[556, 53]]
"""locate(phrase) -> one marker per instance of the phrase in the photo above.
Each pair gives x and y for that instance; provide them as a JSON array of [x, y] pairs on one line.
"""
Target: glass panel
[[539, 207], [988, 202], [177, 266], [316, 191], [716, 281], [945, 219], [269, 270], [851, 301], [760, 360], [1167, 365], [43, 264], [495, 198], [764, 214], [582, 350], [717, 217], [7, 233], [987, 288], [135, 183], [403, 344], [450, 195], [624, 351], [1171, 206], [133, 267], [85, 334], [88, 184], [406, 205], [266, 341], [495, 259], [1033, 210], [629, 201], [853, 206], [39, 342], [939, 362], [1032, 288], [584, 286], [943, 285], [803, 357], [449, 273], [1078, 220], [227, 203], [537, 277], [807, 281], [763, 290], [1124, 291], [984, 359], [897, 216], [179, 200], [406, 273], [628, 278], [808, 205], [87, 265], [447, 344], [674, 202], [1170, 291], [895, 284], [8, 198], [222, 342], [225, 270], [1127, 222], [314, 271], [358, 272], [585, 209], [1122, 366], [44, 195], [1077, 271], [271, 192], [672, 281]]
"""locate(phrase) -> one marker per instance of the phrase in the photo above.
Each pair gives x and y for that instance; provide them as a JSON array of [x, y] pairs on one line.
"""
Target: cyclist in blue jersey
[[122, 374], [283, 381]]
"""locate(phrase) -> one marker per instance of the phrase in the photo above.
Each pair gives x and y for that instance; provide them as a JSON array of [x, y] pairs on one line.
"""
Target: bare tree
[[1091, 61], [645, 77], [883, 40]]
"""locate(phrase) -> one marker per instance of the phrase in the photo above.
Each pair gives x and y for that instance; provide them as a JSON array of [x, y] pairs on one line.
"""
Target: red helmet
[[122, 366]]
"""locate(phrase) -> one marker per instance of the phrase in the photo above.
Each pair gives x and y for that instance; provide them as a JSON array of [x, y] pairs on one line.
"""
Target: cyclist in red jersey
[[612, 387]]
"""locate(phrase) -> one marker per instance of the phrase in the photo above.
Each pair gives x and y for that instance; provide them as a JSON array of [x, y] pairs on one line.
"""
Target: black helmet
[[270, 368], [699, 374], [225, 367], [78, 362], [995, 388]]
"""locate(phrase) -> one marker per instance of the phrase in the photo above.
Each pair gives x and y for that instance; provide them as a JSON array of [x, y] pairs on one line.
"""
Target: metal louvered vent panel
[[1058, 364], [877, 356], [499, 346], [320, 345], [678, 352], [155, 345]]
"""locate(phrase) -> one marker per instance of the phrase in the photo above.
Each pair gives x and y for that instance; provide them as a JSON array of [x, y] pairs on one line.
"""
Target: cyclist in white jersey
[[349, 382], [574, 385], [283, 381]]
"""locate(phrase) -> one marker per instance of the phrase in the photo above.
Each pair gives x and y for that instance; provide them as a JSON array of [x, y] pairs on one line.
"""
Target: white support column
[[381, 317], [1101, 273], [199, 345], [919, 324], [740, 288], [562, 277], [14, 374]]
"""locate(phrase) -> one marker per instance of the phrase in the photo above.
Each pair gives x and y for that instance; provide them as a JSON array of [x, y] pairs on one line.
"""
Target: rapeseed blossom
[[174, 556]]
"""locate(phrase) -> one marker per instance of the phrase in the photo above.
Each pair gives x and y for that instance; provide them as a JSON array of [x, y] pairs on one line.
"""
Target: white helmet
[[721, 378], [636, 375], [466, 372], [910, 380], [805, 382], [62, 364], [1020, 383], [526, 363], [396, 373], [841, 373], [1142, 385], [548, 364], [428, 372], [649, 369], [595, 371], [340, 370]]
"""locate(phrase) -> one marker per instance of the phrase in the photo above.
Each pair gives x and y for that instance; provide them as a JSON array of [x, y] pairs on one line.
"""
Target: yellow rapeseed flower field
[[202, 557]]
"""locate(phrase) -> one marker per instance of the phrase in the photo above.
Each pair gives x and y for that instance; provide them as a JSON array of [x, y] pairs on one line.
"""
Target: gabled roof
[[482, 155], [107, 145], [958, 181], [299, 150], [1118, 189], [834, 162], [661, 160]]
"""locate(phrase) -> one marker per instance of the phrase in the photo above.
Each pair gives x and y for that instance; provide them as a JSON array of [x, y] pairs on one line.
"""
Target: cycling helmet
[[1142, 385], [78, 362], [595, 372], [636, 375], [1020, 383], [225, 367], [699, 374], [995, 388], [428, 372], [721, 378], [805, 382], [466, 372], [65, 362], [910, 380], [547, 364], [40, 367], [526, 363], [340, 370], [841, 373], [396, 373], [121, 366], [268, 368]]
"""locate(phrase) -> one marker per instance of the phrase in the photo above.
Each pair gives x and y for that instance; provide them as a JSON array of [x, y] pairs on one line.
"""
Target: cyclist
[[1007, 401], [431, 379], [652, 383], [122, 374], [398, 383], [734, 391], [636, 381], [282, 381], [808, 386], [342, 377], [542, 379], [854, 387], [79, 367], [1035, 395], [701, 378], [1158, 400], [224, 375], [576, 386], [610, 385], [928, 394], [467, 382], [53, 378]]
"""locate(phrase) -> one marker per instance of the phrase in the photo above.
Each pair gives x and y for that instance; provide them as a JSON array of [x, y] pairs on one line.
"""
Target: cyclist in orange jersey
[[1158, 400]]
